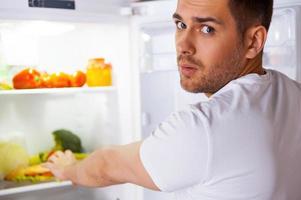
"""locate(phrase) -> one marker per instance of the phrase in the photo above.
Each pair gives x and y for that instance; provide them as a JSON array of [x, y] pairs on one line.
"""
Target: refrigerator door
[[282, 51]]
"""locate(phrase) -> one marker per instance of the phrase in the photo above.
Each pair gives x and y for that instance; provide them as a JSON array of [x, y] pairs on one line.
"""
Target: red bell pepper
[[28, 78]]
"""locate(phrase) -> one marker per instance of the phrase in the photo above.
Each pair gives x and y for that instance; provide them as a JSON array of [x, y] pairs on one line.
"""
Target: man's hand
[[59, 163]]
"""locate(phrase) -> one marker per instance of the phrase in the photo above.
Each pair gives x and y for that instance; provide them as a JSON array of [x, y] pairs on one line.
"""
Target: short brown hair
[[249, 12]]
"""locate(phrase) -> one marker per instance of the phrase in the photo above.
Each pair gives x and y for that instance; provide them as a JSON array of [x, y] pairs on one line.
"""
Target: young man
[[244, 143]]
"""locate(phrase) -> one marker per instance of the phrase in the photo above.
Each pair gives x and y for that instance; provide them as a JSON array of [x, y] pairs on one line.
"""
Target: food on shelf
[[41, 157], [78, 79], [80, 156], [28, 78], [12, 156], [44, 156], [60, 80], [35, 160], [65, 139], [99, 73], [5, 86], [16, 165], [46, 81], [35, 173], [94, 70]]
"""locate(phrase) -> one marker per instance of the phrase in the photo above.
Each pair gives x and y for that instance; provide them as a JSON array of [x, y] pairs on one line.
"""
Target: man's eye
[[180, 25], [207, 30]]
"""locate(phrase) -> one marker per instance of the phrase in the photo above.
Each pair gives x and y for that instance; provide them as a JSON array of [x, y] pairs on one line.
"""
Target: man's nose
[[185, 43]]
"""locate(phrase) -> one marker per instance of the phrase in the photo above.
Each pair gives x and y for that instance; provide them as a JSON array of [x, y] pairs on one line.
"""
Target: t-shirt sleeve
[[176, 154]]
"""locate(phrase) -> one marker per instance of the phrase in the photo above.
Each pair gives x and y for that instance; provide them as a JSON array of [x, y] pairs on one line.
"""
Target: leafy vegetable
[[65, 140]]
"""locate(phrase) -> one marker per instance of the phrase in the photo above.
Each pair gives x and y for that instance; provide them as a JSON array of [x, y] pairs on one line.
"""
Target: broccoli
[[65, 139]]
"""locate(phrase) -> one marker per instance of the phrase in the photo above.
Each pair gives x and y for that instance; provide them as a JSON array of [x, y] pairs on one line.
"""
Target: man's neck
[[251, 67]]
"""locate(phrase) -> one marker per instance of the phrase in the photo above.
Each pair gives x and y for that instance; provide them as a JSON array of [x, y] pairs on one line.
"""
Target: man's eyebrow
[[207, 19], [199, 19], [176, 16]]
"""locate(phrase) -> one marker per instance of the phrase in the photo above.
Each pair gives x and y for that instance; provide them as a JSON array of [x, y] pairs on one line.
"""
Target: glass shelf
[[58, 90], [11, 188]]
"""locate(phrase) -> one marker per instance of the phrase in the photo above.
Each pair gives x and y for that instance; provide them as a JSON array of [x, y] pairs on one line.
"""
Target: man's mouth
[[188, 70]]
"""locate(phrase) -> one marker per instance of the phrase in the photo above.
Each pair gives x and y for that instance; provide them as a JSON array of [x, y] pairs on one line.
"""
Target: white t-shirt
[[243, 144]]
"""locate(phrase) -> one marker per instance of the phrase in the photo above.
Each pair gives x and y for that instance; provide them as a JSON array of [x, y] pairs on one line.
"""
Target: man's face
[[209, 49]]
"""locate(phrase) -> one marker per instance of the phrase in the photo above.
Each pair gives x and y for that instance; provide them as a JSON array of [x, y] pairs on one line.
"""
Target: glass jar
[[94, 72]]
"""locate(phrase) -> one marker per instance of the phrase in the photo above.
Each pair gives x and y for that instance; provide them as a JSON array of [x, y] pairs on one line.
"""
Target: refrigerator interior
[[99, 116], [66, 49]]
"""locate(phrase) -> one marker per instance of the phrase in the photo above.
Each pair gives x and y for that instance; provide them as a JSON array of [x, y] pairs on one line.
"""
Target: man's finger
[[53, 159], [48, 165], [69, 153], [59, 154]]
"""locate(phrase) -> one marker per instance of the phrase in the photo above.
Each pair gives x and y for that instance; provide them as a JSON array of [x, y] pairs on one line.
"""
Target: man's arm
[[110, 166]]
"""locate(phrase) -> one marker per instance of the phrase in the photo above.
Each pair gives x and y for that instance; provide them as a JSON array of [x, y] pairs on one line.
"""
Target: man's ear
[[255, 38]]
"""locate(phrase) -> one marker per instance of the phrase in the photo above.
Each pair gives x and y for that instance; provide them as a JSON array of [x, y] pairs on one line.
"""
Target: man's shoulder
[[281, 78], [243, 99]]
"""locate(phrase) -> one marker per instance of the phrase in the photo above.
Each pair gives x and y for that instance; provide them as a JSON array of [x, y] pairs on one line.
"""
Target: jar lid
[[101, 60]]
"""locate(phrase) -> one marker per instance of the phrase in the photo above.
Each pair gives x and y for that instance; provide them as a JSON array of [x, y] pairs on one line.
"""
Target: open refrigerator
[[138, 39]]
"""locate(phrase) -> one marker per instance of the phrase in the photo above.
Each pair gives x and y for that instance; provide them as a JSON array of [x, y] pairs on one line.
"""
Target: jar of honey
[[99, 73]]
